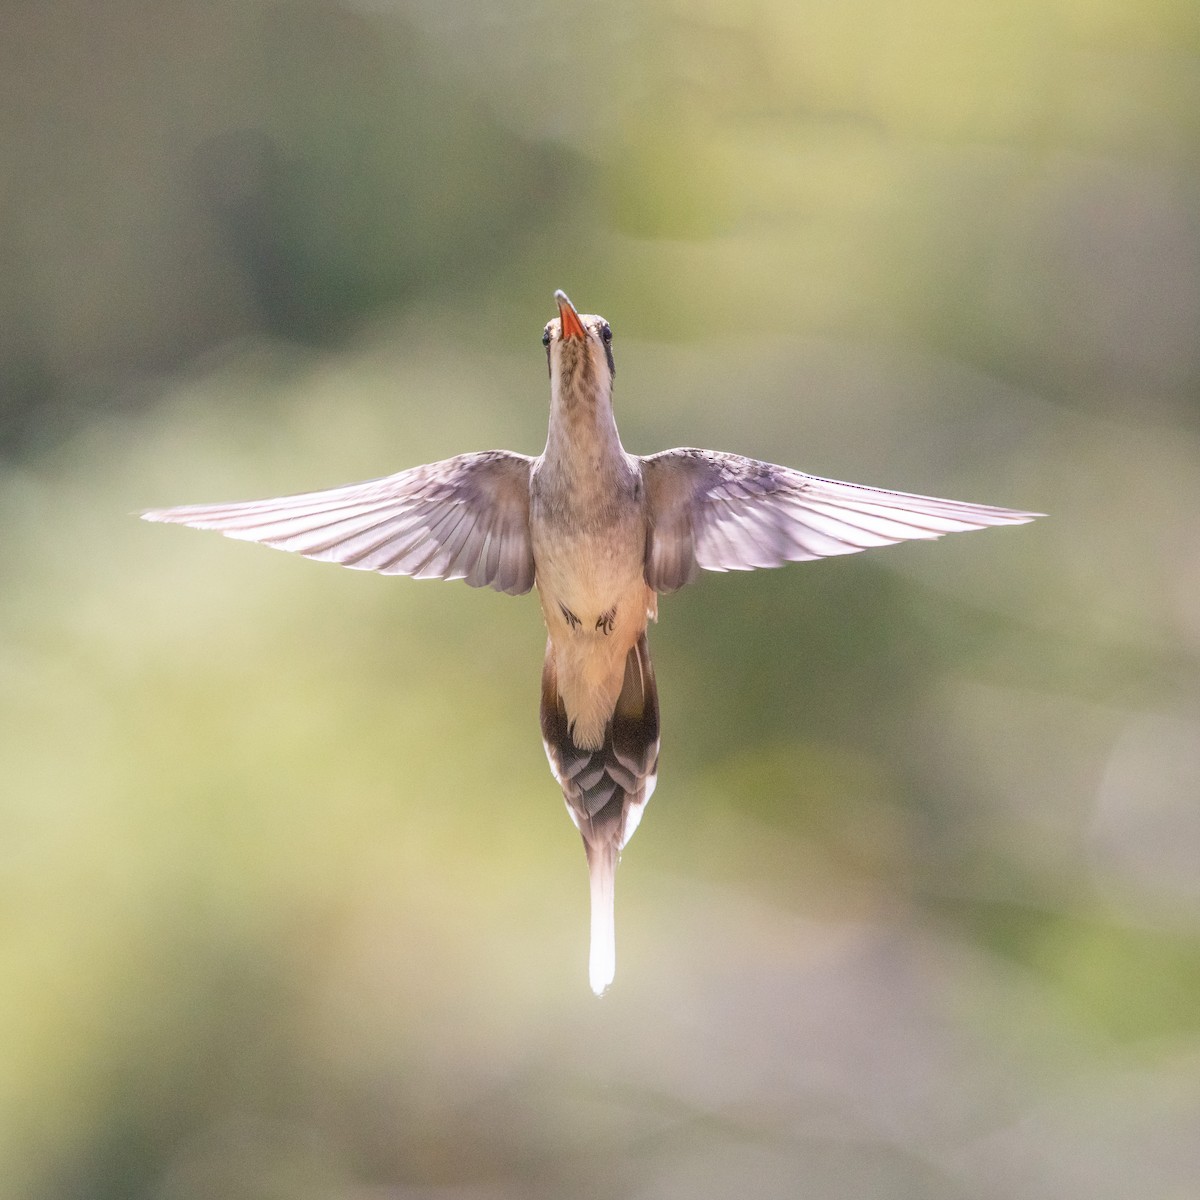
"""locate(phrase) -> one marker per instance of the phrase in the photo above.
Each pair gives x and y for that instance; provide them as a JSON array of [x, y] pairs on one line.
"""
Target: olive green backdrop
[[289, 904]]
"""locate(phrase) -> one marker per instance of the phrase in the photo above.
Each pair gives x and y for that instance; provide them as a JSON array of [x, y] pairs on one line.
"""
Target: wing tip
[[1013, 516], [187, 515]]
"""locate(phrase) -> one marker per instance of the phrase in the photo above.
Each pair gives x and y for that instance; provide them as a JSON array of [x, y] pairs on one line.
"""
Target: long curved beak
[[572, 326]]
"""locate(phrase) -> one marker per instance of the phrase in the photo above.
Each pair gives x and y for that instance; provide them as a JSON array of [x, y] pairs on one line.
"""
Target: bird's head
[[579, 354]]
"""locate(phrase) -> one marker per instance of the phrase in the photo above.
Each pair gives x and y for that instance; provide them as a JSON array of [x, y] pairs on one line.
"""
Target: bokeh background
[[291, 908]]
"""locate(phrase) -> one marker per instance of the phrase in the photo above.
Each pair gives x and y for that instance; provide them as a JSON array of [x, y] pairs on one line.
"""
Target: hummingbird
[[600, 533]]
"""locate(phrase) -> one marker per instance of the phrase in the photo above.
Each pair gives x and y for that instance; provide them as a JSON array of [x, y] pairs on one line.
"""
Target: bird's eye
[[546, 337], [606, 332]]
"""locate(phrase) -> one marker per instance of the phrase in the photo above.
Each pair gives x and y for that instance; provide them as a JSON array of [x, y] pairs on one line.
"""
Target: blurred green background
[[291, 908]]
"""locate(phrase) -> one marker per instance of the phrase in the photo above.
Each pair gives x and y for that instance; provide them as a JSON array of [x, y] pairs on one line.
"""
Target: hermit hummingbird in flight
[[600, 533]]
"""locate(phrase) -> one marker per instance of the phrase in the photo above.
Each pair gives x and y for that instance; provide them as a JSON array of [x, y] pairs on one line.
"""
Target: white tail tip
[[602, 962]]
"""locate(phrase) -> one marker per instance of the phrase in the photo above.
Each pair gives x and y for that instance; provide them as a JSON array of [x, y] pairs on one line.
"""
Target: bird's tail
[[602, 957], [605, 789]]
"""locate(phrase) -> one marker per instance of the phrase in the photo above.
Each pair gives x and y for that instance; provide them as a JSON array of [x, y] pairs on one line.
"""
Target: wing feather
[[462, 518], [723, 512]]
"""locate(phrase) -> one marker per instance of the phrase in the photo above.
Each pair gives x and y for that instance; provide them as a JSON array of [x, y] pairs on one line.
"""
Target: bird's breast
[[588, 573], [587, 525]]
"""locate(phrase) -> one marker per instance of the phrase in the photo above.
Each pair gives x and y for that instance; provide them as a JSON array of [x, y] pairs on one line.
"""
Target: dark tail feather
[[605, 789]]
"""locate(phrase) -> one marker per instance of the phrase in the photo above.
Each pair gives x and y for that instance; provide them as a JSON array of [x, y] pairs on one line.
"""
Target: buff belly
[[595, 607]]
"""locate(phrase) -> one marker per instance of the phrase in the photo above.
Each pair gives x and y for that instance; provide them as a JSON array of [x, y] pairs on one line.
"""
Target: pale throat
[[582, 442]]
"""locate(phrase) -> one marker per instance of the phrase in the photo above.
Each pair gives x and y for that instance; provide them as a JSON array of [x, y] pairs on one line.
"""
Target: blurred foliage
[[290, 907]]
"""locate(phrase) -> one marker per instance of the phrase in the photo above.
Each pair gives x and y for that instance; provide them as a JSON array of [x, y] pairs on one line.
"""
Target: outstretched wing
[[724, 512], [463, 518]]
